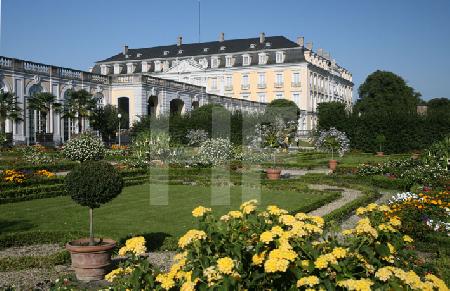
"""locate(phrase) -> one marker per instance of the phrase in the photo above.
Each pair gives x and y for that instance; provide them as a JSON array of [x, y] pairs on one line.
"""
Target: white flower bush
[[84, 147], [196, 137], [333, 140], [150, 146], [215, 151]]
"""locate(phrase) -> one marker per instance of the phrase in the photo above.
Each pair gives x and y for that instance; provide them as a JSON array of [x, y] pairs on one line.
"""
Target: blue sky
[[410, 38]]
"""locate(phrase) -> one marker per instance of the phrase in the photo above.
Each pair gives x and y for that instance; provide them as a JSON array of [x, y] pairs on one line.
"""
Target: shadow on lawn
[[155, 241], [14, 226]]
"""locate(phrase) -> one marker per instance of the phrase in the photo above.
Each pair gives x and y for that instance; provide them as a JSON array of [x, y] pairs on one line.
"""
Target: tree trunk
[[2, 126], [91, 228], [80, 125]]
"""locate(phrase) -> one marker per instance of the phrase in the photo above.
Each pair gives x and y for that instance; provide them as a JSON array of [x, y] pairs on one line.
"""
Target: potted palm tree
[[92, 184], [380, 139]]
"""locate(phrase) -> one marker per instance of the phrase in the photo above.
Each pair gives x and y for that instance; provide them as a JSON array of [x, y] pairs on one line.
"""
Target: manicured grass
[[133, 212]]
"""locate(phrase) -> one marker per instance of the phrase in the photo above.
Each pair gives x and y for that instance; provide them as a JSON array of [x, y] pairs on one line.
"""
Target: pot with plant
[[333, 141], [273, 173], [380, 139], [91, 184]]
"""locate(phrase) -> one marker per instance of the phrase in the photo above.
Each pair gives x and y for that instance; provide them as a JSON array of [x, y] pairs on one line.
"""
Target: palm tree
[[42, 103], [81, 104], [9, 109]]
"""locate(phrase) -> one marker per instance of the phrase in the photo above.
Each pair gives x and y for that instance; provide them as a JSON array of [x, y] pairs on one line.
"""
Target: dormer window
[[268, 44], [252, 46], [204, 63], [228, 61], [205, 49], [180, 52], [279, 57], [222, 48], [215, 61], [157, 66], [166, 53], [104, 69], [138, 55], [262, 58], [246, 60]]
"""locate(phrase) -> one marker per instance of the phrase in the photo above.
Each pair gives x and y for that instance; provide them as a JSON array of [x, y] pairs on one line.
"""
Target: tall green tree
[[106, 121], [42, 103], [9, 109], [384, 91], [282, 108], [80, 105], [332, 114]]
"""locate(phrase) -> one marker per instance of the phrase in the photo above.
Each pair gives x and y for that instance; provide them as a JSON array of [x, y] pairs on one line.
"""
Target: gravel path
[[348, 195], [33, 250], [31, 279], [302, 172], [352, 220]]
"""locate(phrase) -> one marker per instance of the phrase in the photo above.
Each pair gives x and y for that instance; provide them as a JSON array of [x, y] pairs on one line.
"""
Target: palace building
[[257, 69], [240, 74]]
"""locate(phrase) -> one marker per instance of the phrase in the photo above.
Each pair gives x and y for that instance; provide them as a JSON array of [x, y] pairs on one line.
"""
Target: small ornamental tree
[[380, 139], [92, 184], [333, 141], [84, 147]]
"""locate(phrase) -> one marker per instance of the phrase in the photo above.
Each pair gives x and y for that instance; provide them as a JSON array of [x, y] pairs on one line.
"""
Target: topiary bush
[[92, 184], [84, 147]]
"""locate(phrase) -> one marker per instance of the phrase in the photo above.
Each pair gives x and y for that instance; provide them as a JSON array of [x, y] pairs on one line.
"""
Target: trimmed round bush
[[84, 147], [93, 183]]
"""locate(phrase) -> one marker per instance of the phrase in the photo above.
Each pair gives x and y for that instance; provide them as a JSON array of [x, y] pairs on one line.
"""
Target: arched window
[[152, 106], [123, 104], [176, 107]]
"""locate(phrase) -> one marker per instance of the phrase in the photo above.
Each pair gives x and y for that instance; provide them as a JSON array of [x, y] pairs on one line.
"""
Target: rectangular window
[[279, 57], [262, 59], [245, 96], [261, 79], [279, 79], [246, 60], [296, 78], [244, 79], [228, 80], [279, 95], [228, 61], [262, 97], [296, 97], [214, 83]]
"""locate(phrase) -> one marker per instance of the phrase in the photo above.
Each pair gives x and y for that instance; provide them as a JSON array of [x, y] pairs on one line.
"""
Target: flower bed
[[247, 249], [422, 213]]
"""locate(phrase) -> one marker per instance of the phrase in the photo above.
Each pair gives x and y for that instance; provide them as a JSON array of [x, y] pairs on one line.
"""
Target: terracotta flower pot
[[380, 154], [273, 174], [90, 262], [332, 165]]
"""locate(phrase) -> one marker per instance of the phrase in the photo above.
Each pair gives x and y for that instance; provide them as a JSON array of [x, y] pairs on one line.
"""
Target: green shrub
[[84, 147], [36, 237], [92, 184], [8, 264]]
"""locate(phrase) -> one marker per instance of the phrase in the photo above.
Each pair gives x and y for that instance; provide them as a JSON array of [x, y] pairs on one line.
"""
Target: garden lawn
[[132, 213]]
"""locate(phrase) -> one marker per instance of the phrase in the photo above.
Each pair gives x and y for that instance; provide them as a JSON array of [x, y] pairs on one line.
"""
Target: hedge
[[57, 167], [37, 237], [29, 262], [32, 182]]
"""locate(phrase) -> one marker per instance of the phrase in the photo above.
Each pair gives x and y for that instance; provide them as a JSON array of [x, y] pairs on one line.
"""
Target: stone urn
[[91, 263], [273, 174], [380, 154], [332, 165]]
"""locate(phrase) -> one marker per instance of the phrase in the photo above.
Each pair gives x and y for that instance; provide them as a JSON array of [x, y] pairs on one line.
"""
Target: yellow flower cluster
[[225, 265], [135, 245], [119, 147], [200, 211], [191, 236], [168, 280], [308, 281], [410, 278], [357, 285], [13, 176], [372, 207], [274, 210], [249, 206], [117, 272], [324, 260], [45, 173], [362, 227]]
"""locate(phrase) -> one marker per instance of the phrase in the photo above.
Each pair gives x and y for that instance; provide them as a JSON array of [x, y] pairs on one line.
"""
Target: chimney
[[222, 37], [301, 41], [262, 37], [180, 41], [326, 55], [309, 45], [320, 51], [125, 50]]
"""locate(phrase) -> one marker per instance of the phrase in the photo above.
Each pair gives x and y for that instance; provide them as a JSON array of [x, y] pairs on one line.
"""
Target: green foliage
[[93, 183], [282, 108], [105, 119], [84, 147], [9, 108], [36, 155], [36, 237], [79, 105], [332, 114], [8, 264]]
